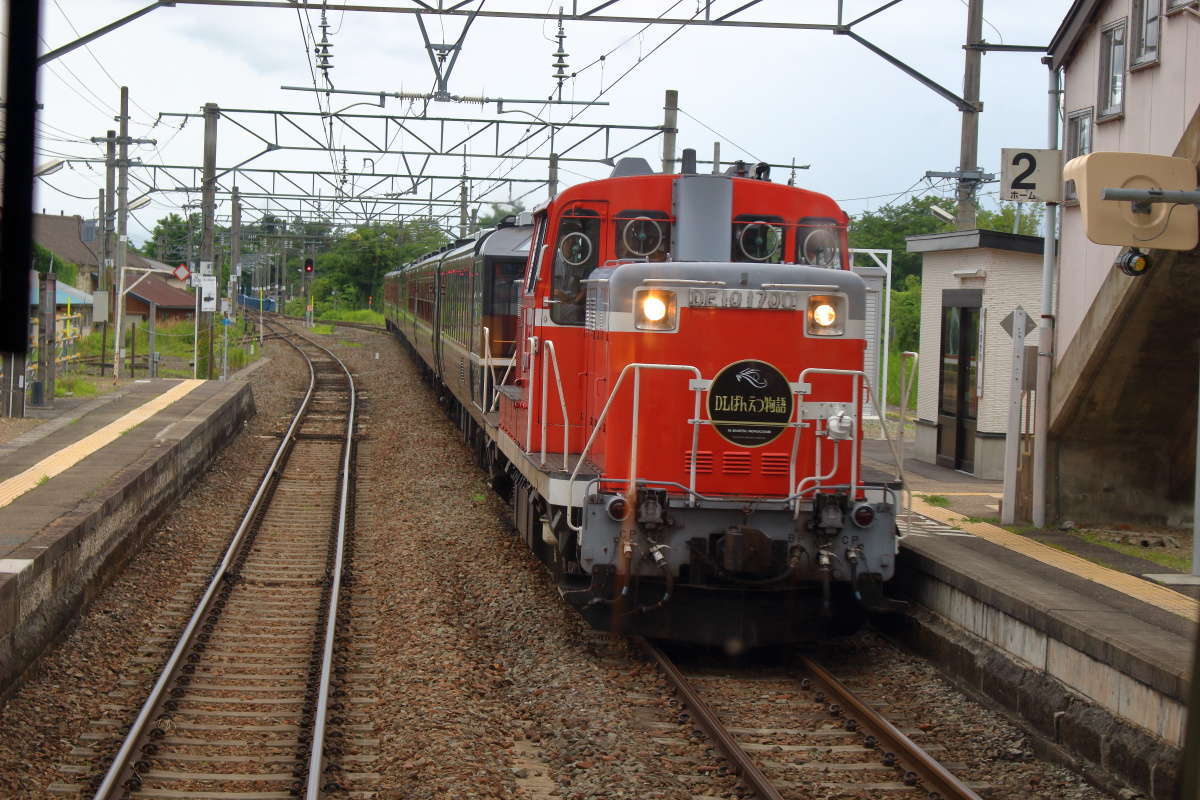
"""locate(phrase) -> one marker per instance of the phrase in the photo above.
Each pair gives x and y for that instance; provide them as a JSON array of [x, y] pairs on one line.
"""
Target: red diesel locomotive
[[664, 375]]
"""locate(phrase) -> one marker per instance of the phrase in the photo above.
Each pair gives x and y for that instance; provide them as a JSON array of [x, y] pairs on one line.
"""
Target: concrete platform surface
[[78, 493]]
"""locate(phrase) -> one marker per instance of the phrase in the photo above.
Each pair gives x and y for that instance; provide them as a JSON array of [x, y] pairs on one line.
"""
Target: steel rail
[[121, 771], [933, 776], [708, 720], [317, 753]]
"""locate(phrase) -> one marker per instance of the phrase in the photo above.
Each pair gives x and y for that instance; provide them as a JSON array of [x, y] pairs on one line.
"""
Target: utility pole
[[462, 209], [116, 205], [208, 211], [670, 129], [964, 213], [110, 206], [235, 247], [552, 181]]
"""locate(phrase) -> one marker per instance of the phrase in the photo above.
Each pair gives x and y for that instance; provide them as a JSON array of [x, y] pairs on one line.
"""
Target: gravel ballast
[[484, 683]]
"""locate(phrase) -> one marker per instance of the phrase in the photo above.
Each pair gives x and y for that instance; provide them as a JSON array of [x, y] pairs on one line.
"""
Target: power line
[[93, 55], [719, 134]]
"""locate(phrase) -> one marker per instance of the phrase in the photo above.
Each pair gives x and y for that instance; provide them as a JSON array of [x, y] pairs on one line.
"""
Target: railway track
[[806, 737], [244, 703]]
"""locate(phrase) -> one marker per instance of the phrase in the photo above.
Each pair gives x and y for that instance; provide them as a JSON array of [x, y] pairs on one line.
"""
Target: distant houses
[[63, 236]]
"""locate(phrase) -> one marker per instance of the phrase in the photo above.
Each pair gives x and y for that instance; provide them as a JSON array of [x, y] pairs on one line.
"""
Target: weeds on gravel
[[322, 329], [74, 385], [1170, 560], [941, 501]]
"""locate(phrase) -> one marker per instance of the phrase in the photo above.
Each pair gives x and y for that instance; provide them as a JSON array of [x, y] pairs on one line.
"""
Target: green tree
[[888, 227], [906, 316], [169, 240], [46, 261], [356, 263], [499, 211], [1002, 220]]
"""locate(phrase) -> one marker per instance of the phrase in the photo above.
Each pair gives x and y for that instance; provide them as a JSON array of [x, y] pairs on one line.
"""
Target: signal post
[[309, 270]]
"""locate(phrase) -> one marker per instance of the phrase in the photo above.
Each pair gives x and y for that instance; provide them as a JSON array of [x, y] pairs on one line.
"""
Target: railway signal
[[308, 267]]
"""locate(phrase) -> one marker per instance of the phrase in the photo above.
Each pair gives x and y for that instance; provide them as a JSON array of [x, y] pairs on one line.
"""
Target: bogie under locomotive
[[664, 374]]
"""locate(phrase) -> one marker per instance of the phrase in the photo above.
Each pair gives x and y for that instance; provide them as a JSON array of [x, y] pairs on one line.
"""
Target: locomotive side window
[[819, 243], [535, 252], [757, 240], [642, 236], [576, 254]]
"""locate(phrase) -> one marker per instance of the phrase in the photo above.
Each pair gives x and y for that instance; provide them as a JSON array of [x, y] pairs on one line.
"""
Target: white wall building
[[971, 280]]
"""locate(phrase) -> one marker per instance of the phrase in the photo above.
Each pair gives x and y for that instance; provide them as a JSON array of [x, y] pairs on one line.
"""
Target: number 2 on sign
[[1019, 182]]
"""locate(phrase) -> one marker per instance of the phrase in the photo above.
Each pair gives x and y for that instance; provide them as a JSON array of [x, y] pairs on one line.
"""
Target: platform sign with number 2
[[1031, 175]]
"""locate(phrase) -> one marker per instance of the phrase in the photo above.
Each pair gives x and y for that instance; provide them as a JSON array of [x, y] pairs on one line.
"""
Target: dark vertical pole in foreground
[[208, 212], [16, 227]]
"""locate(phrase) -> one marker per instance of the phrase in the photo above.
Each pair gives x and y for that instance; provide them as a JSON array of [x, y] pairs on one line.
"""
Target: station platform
[[79, 491], [1094, 655]]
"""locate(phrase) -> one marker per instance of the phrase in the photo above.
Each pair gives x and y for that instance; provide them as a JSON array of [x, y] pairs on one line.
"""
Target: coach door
[[957, 392]]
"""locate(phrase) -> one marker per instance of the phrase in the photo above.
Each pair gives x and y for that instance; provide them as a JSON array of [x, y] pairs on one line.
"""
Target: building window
[[1112, 70], [1078, 142], [1176, 5], [1146, 27]]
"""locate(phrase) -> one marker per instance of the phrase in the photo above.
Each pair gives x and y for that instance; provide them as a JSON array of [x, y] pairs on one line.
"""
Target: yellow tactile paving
[[1147, 592], [71, 455]]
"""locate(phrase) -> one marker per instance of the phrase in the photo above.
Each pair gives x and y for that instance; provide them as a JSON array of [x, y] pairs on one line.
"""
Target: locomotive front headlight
[[655, 310], [825, 316]]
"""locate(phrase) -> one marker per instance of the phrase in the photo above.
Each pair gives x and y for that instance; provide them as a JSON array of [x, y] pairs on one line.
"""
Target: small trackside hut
[[669, 391]]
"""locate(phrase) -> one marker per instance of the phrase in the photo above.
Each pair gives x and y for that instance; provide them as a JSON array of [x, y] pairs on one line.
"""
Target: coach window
[[642, 236], [576, 254], [757, 239]]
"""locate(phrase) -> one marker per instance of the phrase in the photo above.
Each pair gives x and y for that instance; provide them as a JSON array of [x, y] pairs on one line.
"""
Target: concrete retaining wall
[[86, 548], [1118, 728]]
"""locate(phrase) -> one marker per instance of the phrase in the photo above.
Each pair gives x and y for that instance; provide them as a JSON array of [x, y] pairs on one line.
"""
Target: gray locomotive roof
[[512, 242], [507, 242]]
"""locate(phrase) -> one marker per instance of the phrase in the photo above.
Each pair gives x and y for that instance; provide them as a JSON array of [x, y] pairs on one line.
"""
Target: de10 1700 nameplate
[[765, 299]]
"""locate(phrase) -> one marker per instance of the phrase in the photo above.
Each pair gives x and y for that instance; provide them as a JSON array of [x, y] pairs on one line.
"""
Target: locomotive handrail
[[530, 350], [803, 389], [637, 372], [487, 368], [549, 345]]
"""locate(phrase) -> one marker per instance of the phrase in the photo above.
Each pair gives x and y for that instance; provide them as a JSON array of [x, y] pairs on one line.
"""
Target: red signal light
[[308, 265]]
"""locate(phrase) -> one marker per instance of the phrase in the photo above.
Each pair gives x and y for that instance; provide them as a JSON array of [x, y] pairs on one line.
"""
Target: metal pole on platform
[[208, 212], [151, 351], [1045, 363], [1012, 437], [119, 339]]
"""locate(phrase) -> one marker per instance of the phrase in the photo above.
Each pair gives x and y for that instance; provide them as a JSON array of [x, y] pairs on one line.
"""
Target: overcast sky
[[869, 131]]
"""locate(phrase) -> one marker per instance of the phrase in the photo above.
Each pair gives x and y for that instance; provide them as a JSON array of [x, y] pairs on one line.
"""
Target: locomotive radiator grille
[[735, 462], [775, 463], [703, 462]]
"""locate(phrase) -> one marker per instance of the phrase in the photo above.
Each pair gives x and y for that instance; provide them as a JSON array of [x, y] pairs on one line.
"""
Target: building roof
[[968, 240], [154, 289], [1071, 31], [63, 236], [63, 293]]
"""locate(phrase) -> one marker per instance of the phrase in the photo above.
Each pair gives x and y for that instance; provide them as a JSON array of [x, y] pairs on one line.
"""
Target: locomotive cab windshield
[[576, 254]]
